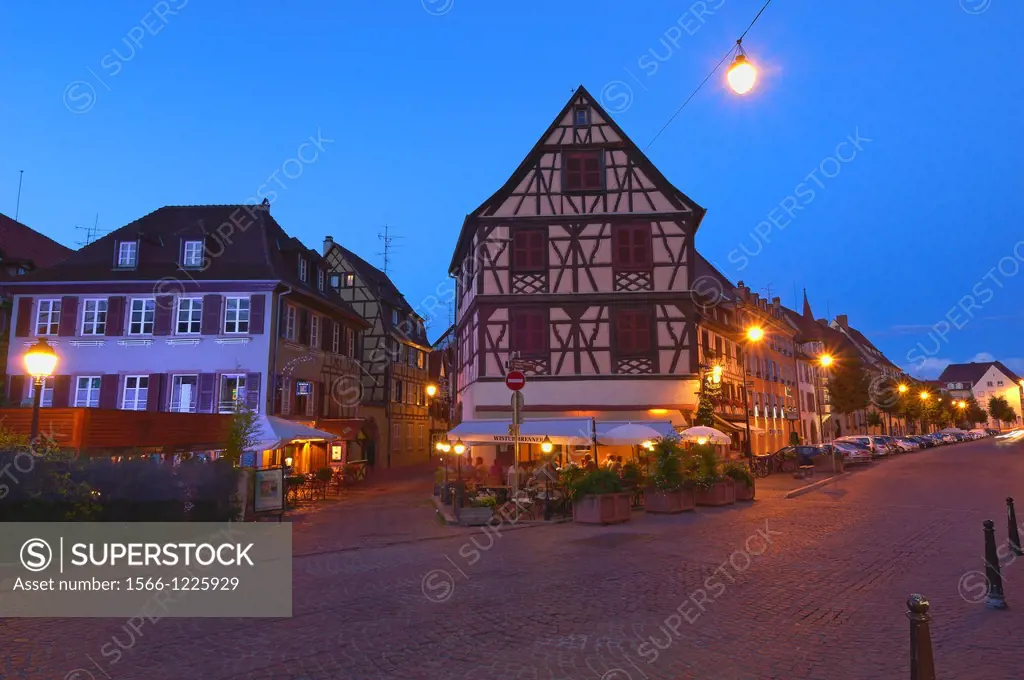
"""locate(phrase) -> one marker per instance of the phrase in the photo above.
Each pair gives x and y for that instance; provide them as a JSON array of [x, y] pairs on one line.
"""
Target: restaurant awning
[[729, 426], [273, 433], [566, 431], [630, 433]]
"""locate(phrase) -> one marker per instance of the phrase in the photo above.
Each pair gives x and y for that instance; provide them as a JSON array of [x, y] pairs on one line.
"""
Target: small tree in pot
[[671, 488], [742, 478], [598, 498], [712, 487]]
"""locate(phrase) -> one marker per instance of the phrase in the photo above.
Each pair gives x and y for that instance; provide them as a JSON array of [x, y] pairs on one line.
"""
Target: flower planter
[[744, 492], [721, 493], [789, 465], [669, 502], [475, 516], [609, 508]]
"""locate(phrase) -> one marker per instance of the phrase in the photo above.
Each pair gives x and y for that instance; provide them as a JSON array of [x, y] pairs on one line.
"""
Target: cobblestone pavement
[[812, 587]]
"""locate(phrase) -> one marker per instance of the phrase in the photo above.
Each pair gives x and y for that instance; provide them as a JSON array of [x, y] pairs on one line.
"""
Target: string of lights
[[742, 74]]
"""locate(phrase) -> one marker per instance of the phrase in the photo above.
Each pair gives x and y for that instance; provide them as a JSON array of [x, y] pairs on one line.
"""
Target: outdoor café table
[[500, 493]]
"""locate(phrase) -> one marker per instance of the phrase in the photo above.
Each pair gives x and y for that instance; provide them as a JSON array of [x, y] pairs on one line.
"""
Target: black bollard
[[922, 661], [996, 599], [1011, 525]]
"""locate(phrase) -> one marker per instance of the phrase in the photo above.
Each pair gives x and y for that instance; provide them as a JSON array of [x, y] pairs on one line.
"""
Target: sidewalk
[[780, 484]]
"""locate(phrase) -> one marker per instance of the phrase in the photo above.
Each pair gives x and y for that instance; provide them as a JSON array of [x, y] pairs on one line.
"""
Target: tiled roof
[[810, 330], [973, 372], [242, 243], [708, 282], [22, 244]]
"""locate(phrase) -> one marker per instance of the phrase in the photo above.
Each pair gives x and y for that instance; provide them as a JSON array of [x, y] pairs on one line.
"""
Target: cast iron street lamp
[[459, 448], [742, 74], [40, 363], [753, 334], [924, 409]]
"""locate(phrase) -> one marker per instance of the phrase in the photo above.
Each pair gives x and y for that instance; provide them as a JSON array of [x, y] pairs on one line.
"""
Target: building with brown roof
[[984, 380]]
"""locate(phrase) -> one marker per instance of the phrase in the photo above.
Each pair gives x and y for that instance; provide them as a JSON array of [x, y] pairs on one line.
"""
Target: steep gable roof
[[555, 136], [24, 245], [973, 372]]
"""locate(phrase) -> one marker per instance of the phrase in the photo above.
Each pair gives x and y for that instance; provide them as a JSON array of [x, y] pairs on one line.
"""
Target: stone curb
[[815, 486]]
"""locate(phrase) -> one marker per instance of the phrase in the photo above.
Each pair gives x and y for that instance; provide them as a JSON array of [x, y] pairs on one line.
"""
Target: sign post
[[515, 380]]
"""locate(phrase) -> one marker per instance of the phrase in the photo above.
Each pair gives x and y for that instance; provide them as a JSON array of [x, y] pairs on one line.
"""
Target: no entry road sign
[[515, 380]]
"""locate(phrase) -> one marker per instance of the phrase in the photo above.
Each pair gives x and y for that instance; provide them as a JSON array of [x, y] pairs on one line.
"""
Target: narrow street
[[812, 587]]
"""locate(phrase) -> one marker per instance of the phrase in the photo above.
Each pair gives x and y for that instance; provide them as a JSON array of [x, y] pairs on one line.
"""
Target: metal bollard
[[922, 661], [996, 599], [1011, 522]]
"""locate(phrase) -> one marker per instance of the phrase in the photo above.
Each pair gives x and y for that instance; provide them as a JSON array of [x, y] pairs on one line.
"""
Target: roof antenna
[[387, 239], [91, 233], [17, 207]]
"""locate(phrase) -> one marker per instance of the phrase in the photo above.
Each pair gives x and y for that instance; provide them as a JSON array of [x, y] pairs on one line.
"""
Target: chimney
[[742, 290], [755, 299], [328, 242], [776, 304], [842, 320]]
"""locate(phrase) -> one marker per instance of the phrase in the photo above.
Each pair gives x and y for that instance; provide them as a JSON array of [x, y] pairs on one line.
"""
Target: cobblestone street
[[812, 587]]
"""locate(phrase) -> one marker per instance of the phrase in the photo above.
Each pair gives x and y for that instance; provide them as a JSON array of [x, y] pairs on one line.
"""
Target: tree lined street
[[812, 587]]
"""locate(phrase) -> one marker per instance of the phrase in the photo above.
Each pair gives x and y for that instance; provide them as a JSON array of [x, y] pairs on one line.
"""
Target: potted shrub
[[713, 487], [671, 487], [479, 511], [788, 460], [743, 480], [597, 498]]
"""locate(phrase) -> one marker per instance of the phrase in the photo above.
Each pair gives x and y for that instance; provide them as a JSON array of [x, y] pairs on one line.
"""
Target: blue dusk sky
[[876, 163]]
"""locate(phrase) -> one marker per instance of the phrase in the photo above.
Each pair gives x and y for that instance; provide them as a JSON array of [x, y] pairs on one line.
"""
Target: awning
[[630, 433], [273, 433], [728, 425], [567, 431], [349, 430]]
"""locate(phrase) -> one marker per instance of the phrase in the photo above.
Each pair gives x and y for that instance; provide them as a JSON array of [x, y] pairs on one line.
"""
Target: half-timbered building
[[394, 358], [580, 268]]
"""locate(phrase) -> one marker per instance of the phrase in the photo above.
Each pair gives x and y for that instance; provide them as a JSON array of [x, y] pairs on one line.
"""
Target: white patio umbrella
[[708, 434], [631, 434]]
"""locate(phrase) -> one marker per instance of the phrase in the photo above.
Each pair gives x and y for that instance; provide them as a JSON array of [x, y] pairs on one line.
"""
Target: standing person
[[495, 471]]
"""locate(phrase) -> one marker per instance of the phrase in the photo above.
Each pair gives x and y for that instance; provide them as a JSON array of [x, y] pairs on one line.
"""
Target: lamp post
[[40, 363], [962, 405], [825, 360], [753, 334], [924, 410], [459, 448], [903, 389]]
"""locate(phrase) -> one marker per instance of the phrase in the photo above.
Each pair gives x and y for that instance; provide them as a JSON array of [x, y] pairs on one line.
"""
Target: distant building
[[394, 357], [984, 380], [22, 250]]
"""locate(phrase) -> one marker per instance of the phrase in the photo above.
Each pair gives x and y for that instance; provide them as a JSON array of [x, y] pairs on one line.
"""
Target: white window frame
[[127, 254], [98, 325], [336, 339], [142, 324], [350, 342], [241, 314], [140, 394], [92, 395], [303, 269], [190, 306], [51, 325], [314, 331], [225, 405], [394, 317], [348, 281], [311, 401], [286, 396], [396, 435], [177, 380], [192, 254], [46, 396], [320, 278], [291, 317]]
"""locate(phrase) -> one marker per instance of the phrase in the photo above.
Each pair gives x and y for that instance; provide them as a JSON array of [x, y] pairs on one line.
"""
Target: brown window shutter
[[211, 314], [207, 385], [23, 327], [68, 317], [61, 386], [162, 315], [304, 328], [17, 389], [155, 394], [252, 392], [115, 325], [278, 394], [108, 385], [322, 399], [326, 333], [257, 312]]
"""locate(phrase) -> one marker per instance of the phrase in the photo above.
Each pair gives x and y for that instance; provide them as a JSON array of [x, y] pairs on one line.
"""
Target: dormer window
[[582, 117], [335, 281], [303, 269], [348, 281], [320, 279], [394, 317], [127, 254], [192, 254]]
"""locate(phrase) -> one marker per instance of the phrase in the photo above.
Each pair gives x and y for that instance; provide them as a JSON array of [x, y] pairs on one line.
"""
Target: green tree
[[243, 435], [874, 419], [1000, 411], [849, 388], [709, 393]]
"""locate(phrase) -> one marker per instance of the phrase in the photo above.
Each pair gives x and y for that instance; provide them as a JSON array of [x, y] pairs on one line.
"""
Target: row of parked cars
[[865, 448]]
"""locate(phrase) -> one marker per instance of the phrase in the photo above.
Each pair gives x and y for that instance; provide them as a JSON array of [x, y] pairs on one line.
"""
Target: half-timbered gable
[[581, 263]]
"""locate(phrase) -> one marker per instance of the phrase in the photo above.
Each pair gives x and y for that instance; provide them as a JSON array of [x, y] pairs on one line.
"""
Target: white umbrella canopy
[[629, 435], [695, 434]]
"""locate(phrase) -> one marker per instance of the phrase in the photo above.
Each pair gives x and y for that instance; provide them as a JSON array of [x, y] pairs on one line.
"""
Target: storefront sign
[[303, 387], [269, 496], [502, 438], [336, 453]]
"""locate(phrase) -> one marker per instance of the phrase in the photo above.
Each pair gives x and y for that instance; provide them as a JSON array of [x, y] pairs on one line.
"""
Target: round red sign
[[515, 380]]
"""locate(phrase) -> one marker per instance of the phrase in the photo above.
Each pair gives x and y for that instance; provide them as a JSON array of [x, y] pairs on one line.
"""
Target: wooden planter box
[[475, 517], [744, 492], [669, 502], [609, 508], [722, 493]]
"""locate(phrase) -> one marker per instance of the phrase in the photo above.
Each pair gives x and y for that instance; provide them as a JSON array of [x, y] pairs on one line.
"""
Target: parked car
[[877, 450], [887, 442], [907, 444], [978, 433], [851, 452], [921, 440]]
